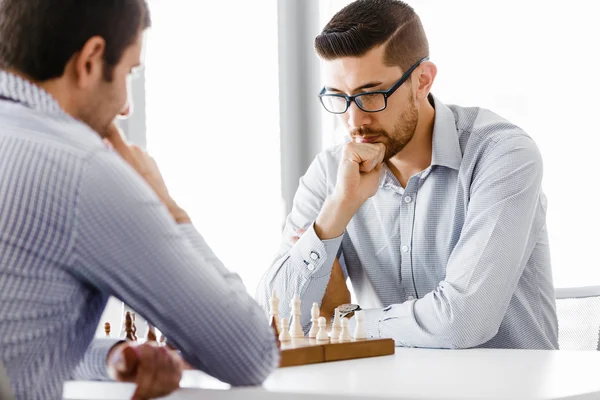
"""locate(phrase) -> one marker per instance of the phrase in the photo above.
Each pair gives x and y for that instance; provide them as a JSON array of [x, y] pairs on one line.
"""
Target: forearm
[[93, 366], [334, 217], [129, 246]]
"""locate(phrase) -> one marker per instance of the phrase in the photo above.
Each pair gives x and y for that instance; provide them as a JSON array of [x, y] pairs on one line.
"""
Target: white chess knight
[[296, 327], [284, 336], [336, 326], [314, 314], [274, 303], [345, 334], [360, 331], [322, 334]]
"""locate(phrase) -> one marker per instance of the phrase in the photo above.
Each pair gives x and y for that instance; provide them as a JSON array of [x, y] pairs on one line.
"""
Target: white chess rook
[[314, 314], [322, 334], [296, 328], [360, 331], [345, 334], [284, 336]]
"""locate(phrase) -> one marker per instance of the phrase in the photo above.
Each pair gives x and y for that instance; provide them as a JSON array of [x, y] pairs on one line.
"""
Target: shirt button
[[407, 199], [311, 267], [405, 249], [314, 256]]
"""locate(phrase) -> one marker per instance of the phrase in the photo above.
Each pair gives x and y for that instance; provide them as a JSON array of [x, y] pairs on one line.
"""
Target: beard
[[404, 130]]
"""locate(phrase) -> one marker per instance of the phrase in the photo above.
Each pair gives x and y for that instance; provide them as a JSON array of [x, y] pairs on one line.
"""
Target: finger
[[300, 231], [146, 374], [295, 239], [115, 138], [124, 364], [174, 371], [165, 376], [382, 150]]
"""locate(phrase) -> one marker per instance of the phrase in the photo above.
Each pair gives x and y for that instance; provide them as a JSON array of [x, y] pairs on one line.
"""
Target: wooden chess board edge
[[359, 349], [301, 356], [336, 352]]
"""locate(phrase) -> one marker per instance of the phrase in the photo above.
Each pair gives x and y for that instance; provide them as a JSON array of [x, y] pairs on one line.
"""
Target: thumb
[[125, 363]]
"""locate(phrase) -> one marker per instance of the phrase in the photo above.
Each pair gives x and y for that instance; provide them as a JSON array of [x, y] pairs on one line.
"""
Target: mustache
[[362, 131]]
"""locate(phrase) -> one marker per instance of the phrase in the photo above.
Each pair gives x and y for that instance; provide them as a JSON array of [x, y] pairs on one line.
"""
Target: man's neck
[[416, 156]]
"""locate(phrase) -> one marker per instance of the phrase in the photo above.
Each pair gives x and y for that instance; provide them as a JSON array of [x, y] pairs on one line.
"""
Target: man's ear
[[426, 74], [88, 63]]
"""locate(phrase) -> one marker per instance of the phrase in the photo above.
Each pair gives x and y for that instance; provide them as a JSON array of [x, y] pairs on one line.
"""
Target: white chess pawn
[[344, 334], [322, 334], [336, 326], [360, 331], [296, 328], [314, 313], [284, 336], [274, 303]]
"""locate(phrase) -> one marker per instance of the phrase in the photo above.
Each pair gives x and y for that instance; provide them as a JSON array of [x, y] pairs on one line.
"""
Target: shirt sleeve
[[128, 246], [302, 268], [93, 365], [498, 236]]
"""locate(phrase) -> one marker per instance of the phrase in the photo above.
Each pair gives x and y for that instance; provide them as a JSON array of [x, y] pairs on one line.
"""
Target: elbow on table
[[252, 366]]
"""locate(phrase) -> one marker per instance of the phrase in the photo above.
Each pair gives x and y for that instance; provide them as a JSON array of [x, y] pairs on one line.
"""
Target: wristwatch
[[347, 309]]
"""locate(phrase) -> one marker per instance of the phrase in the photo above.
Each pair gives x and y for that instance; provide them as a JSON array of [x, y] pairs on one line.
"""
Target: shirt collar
[[446, 150], [22, 91]]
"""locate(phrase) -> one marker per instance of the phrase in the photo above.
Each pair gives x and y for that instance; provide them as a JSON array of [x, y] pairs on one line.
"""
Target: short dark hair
[[39, 37], [365, 24]]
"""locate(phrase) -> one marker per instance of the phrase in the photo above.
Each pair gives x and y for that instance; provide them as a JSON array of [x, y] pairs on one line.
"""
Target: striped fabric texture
[[459, 258], [78, 225]]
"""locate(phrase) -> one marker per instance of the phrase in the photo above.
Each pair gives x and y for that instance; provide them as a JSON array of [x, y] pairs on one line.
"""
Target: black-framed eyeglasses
[[337, 103]]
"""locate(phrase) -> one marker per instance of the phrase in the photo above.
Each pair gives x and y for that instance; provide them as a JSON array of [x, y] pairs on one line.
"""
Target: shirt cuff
[[310, 253], [373, 317], [93, 366]]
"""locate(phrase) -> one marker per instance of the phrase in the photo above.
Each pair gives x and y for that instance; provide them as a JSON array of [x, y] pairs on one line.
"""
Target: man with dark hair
[[434, 212], [82, 220]]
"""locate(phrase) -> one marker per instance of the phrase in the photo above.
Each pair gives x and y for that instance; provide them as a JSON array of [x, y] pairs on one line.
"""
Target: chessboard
[[301, 351], [323, 343]]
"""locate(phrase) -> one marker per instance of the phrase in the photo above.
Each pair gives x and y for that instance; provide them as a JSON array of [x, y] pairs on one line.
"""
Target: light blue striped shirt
[[77, 225], [458, 258]]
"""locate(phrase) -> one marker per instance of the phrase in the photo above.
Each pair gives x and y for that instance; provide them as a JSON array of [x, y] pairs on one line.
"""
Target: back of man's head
[[39, 37], [365, 24]]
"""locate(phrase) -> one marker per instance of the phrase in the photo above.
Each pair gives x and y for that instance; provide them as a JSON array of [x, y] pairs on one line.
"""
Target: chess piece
[[274, 303], [360, 331], [344, 334], [151, 337], [314, 314], [275, 328], [296, 328], [336, 326], [284, 336], [107, 329], [322, 334], [128, 327], [133, 327]]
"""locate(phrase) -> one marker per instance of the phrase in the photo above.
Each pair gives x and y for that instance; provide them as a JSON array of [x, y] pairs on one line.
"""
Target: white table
[[408, 374]]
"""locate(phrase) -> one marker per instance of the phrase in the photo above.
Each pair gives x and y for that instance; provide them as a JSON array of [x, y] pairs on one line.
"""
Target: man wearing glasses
[[434, 212]]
